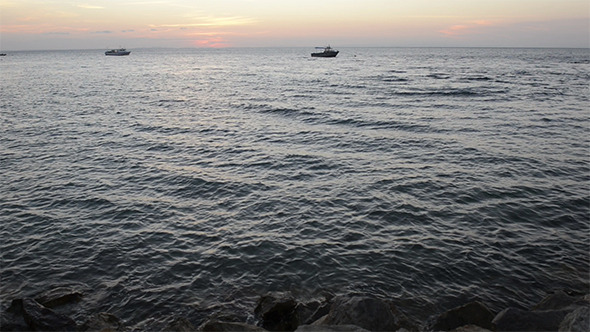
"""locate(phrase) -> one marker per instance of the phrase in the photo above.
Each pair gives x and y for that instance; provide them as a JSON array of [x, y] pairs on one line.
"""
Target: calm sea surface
[[185, 182]]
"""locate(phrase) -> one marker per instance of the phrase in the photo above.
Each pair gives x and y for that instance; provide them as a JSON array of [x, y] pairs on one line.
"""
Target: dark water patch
[[439, 76], [367, 124], [476, 78], [389, 78], [457, 92], [287, 112], [186, 186], [169, 130]]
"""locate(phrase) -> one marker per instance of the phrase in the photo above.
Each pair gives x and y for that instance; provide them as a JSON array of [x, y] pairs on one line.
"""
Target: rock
[[180, 324], [513, 319], [330, 328], [576, 321], [41, 318], [276, 312], [320, 321], [561, 300], [11, 321], [59, 296], [366, 312], [307, 313], [214, 325], [103, 322], [473, 313], [470, 328]]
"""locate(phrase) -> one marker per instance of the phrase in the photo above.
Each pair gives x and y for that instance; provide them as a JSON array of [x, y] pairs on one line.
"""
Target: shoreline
[[560, 310]]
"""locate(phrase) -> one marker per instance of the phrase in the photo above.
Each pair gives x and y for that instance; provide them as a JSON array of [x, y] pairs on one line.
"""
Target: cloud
[[472, 27], [104, 31], [209, 21], [571, 32], [86, 6], [212, 42], [59, 33]]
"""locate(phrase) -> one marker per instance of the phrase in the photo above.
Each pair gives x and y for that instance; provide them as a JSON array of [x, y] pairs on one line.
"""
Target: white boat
[[118, 51], [327, 53]]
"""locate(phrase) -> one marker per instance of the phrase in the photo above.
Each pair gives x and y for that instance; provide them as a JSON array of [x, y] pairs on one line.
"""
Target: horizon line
[[260, 47]]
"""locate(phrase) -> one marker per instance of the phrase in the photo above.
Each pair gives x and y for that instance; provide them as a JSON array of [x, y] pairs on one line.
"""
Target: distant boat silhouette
[[328, 52], [118, 51]]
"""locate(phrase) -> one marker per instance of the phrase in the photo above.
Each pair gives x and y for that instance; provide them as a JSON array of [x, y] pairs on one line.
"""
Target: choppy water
[[182, 182]]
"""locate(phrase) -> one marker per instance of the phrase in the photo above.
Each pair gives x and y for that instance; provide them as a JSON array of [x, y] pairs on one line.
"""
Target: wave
[[454, 92]]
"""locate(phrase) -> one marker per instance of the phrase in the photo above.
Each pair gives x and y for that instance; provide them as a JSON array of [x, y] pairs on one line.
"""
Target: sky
[[98, 24]]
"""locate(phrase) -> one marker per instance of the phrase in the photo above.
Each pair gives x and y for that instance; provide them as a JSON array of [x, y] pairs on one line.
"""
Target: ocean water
[[191, 181]]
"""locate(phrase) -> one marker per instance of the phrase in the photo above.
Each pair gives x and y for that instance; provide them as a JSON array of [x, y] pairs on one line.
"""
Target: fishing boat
[[328, 52], [118, 51]]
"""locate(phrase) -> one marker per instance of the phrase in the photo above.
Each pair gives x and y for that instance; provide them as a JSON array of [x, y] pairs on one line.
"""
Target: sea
[[189, 182]]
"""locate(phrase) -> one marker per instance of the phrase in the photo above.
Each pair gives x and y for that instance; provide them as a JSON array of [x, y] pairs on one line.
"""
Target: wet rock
[[547, 315], [576, 321], [473, 313], [215, 325], [561, 299], [59, 296], [330, 328], [320, 309], [513, 319], [103, 322], [180, 324], [276, 312], [470, 328], [40, 318], [13, 321], [366, 312]]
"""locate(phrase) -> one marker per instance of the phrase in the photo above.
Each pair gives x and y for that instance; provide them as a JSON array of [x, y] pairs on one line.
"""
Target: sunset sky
[[95, 24]]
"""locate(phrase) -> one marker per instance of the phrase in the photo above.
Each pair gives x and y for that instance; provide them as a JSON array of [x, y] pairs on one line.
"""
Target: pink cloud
[[472, 27], [212, 42]]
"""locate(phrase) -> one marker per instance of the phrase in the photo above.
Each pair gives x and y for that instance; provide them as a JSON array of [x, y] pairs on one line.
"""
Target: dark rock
[[305, 311], [214, 325], [470, 328], [59, 296], [576, 321], [13, 321], [40, 318], [276, 312], [561, 300], [321, 310], [180, 324], [513, 319], [473, 313], [330, 328], [102, 322], [366, 312], [320, 321]]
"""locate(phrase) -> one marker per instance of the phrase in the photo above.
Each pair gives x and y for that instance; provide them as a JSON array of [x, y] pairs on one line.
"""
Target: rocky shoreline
[[561, 310]]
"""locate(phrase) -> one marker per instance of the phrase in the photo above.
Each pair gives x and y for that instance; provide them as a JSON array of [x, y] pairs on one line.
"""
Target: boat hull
[[117, 53], [330, 54]]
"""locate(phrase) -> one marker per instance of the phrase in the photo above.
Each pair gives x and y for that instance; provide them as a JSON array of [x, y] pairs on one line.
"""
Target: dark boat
[[119, 51], [327, 53]]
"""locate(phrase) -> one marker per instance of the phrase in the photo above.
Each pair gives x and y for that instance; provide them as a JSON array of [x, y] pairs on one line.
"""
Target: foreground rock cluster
[[559, 311]]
